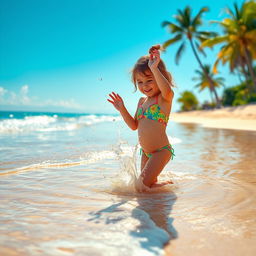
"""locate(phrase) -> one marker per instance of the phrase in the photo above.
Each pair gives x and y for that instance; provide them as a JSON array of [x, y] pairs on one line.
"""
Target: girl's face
[[147, 84]]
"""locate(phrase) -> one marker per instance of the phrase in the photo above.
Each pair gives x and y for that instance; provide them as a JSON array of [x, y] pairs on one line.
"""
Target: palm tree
[[185, 30], [203, 82], [188, 101], [239, 38]]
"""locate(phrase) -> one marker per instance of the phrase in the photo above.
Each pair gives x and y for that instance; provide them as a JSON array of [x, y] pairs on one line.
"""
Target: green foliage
[[238, 40], [252, 98], [238, 95], [188, 101], [202, 78]]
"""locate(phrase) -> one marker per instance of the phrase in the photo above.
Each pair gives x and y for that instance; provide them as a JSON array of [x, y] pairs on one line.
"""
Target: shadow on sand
[[156, 207]]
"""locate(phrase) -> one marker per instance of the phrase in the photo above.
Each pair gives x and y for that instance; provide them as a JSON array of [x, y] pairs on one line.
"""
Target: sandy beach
[[241, 117]]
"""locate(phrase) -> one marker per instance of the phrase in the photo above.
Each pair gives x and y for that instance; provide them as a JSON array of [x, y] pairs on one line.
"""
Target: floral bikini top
[[153, 112]]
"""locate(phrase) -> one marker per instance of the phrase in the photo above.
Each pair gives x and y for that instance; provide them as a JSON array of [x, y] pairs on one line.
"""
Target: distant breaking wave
[[46, 123]]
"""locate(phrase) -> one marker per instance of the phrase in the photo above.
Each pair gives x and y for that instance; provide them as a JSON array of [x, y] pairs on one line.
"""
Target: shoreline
[[238, 118]]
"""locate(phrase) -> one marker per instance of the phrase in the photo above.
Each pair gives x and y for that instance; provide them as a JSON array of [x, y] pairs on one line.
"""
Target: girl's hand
[[116, 101], [154, 57]]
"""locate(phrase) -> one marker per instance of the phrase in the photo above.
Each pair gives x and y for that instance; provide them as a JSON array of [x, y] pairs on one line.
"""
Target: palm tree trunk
[[245, 73], [250, 68], [211, 96], [212, 88]]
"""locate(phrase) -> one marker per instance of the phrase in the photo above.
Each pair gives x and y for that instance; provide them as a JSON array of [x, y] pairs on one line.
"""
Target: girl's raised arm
[[163, 84]]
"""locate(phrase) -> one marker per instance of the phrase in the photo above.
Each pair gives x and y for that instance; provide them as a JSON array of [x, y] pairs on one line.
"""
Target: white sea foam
[[93, 119], [174, 140], [45, 123], [29, 123]]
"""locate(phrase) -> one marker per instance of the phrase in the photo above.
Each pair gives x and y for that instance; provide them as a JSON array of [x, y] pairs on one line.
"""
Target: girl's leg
[[143, 162], [154, 166]]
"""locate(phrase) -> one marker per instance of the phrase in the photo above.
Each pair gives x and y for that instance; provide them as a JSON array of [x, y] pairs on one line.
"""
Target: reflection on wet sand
[[156, 206], [217, 193], [159, 208]]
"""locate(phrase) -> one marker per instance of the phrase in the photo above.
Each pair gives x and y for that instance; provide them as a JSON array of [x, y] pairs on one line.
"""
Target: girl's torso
[[152, 116]]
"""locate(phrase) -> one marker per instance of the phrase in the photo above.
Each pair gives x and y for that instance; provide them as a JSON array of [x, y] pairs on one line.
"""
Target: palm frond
[[180, 18], [199, 72], [207, 68], [214, 21], [220, 81], [179, 52], [233, 60], [230, 13], [214, 69], [207, 33], [175, 28], [200, 49], [187, 14], [197, 20], [171, 41], [237, 11], [165, 23], [197, 85], [213, 41]]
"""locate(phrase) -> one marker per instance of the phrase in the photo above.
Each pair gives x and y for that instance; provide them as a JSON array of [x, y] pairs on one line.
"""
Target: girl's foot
[[157, 185]]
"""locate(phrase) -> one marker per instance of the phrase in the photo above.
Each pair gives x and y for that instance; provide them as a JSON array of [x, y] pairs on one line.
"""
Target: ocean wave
[[85, 159], [46, 123]]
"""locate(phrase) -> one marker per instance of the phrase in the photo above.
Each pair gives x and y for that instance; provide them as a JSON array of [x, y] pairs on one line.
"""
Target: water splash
[[128, 179]]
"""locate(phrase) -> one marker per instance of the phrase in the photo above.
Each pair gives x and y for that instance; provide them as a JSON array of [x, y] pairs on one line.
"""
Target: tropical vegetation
[[239, 40], [238, 49], [238, 95], [188, 101], [203, 81]]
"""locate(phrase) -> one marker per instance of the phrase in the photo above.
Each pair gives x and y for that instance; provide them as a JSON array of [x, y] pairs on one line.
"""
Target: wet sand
[[226, 224]]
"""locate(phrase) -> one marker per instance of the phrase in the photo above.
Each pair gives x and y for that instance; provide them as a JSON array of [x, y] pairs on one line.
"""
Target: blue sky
[[67, 55]]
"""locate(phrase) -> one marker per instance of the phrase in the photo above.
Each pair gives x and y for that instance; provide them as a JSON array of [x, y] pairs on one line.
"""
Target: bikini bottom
[[168, 147]]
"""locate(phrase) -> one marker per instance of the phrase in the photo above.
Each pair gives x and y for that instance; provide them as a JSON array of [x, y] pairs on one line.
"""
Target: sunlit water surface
[[69, 187]]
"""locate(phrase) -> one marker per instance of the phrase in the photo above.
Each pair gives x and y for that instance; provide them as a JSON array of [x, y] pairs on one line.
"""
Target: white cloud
[[24, 89], [2, 92], [23, 99]]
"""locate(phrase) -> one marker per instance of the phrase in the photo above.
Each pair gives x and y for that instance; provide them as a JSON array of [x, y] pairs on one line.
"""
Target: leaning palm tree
[[239, 39], [187, 30], [203, 82]]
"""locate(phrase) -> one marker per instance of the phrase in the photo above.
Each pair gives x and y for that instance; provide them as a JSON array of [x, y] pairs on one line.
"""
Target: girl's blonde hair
[[141, 66]]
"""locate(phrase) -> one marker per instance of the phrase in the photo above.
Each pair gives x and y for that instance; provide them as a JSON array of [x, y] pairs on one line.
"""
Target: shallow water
[[68, 187]]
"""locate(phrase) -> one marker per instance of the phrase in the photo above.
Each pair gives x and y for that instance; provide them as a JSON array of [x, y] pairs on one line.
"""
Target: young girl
[[151, 77]]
